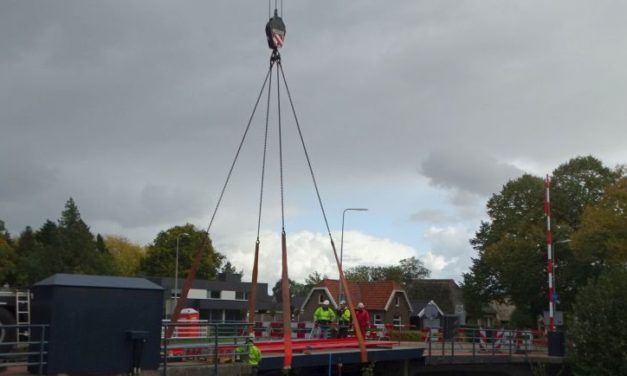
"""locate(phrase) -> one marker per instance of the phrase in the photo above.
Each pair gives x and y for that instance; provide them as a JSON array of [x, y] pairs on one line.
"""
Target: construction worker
[[343, 320], [251, 352], [323, 317], [363, 318]]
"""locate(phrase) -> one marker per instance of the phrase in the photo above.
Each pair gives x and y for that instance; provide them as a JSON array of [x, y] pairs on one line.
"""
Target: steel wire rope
[[239, 148], [196, 261], [360, 338], [278, 92], [263, 163], [302, 140], [252, 299]]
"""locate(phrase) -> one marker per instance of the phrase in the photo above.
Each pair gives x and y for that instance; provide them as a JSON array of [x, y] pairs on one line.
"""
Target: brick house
[[386, 301]]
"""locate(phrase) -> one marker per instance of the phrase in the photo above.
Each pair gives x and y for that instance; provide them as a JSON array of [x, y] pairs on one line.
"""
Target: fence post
[[41, 349], [453, 343], [165, 348], [492, 335], [429, 340], [511, 337], [215, 349], [474, 334]]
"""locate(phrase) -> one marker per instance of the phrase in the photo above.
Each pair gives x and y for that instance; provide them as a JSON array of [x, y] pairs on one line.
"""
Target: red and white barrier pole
[[549, 249]]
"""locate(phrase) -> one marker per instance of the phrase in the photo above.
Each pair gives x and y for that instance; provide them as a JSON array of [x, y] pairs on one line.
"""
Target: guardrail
[[206, 342], [24, 353], [481, 342]]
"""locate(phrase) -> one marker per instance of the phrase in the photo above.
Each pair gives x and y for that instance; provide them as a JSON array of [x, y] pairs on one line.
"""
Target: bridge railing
[[205, 342], [481, 342], [29, 351]]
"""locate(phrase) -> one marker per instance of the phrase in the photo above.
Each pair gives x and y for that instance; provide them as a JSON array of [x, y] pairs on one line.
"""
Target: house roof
[[444, 292], [375, 295]]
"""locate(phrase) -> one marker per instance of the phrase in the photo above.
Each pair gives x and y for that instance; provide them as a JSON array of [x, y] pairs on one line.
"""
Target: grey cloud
[[21, 179], [469, 172], [127, 105], [433, 216]]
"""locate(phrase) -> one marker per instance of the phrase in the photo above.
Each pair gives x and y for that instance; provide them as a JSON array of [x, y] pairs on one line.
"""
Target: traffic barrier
[[524, 341], [187, 318], [498, 340], [387, 331], [300, 330], [276, 329], [483, 343], [461, 335], [425, 334], [259, 329]]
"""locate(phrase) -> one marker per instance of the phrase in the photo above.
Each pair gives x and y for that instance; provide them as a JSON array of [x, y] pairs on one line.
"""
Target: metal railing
[[203, 342], [481, 342], [29, 353]]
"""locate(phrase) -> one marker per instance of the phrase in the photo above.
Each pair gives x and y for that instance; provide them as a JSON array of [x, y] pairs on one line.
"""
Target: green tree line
[[69, 246]]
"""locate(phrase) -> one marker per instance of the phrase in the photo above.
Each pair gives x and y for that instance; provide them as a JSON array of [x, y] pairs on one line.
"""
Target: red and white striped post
[[549, 250]]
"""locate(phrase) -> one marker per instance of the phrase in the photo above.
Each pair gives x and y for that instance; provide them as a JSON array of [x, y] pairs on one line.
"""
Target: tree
[[126, 255], [79, 252], [598, 326], [511, 245], [313, 279], [33, 262], [160, 257], [64, 247], [8, 257], [408, 270], [511, 250], [358, 273], [230, 269], [296, 289], [601, 240], [577, 185], [412, 269]]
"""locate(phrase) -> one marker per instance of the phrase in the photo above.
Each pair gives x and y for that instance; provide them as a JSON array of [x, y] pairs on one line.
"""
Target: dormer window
[[321, 298]]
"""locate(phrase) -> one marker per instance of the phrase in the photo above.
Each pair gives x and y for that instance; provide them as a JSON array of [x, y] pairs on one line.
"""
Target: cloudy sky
[[417, 110]]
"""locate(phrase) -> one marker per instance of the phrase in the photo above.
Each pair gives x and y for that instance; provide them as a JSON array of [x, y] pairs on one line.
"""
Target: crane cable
[[358, 333], [275, 58], [182, 301], [252, 296]]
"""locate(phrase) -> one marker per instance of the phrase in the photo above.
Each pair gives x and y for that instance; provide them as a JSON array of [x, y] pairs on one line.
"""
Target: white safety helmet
[[342, 302], [360, 305], [326, 303]]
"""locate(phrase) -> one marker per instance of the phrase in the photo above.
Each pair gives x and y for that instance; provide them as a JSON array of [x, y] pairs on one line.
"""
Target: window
[[241, 295], [398, 301], [215, 294], [377, 319], [321, 298], [397, 320]]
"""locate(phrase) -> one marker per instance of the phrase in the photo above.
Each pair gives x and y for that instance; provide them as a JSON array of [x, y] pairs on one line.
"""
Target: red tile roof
[[374, 295]]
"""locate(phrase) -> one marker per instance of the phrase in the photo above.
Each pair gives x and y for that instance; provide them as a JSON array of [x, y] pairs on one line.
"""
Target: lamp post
[[339, 296], [176, 269]]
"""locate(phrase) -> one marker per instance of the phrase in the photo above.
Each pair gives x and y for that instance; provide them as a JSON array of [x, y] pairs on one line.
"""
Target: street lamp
[[342, 244], [176, 270]]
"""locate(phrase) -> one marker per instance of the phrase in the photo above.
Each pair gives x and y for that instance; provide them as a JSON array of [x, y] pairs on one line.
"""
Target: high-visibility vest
[[322, 314]]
